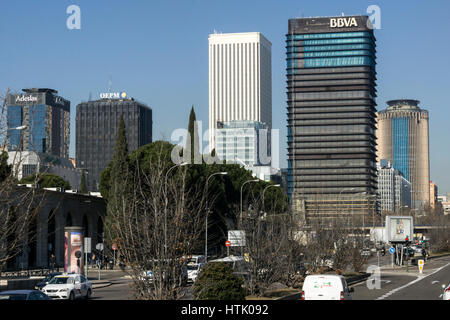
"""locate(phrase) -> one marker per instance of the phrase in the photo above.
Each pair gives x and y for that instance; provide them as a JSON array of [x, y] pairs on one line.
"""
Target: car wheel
[[72, 296], [88, 294]]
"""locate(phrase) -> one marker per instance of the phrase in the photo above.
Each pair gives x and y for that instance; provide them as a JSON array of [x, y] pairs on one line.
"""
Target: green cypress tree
[[119, 183], [83, 187], [193, 143]]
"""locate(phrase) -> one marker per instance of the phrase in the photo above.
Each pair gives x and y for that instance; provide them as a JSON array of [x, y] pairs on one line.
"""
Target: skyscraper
[[402, 133], [96, 128], [45, 118], [331, 115], [240, 79]]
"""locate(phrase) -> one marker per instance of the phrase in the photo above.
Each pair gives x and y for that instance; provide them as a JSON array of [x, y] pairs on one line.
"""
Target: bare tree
[[156, 225], [273, 252]]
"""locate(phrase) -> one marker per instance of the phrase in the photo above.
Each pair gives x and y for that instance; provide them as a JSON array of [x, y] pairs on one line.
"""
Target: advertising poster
[[66, 250], [76, 244], [399, 228]]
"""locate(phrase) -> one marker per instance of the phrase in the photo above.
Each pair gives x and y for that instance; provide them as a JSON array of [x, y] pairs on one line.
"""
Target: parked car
[[193, 270], [237, 263], [46, 280], [446, 294], [152, 271], [325, 287], [23, 295], [69, 286]]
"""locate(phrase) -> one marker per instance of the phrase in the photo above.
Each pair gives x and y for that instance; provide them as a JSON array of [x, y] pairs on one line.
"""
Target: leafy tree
[[217, 282], [5, 169], [46, 180]]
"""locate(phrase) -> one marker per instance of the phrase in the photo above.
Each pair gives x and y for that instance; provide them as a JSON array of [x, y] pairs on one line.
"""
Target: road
[[397, 284], [119, 290]]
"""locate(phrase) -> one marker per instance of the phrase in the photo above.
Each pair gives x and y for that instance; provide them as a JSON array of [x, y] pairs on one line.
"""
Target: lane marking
[[410, 283]]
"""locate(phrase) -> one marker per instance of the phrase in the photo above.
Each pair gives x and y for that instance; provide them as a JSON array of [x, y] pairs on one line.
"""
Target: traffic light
[[406, 239]]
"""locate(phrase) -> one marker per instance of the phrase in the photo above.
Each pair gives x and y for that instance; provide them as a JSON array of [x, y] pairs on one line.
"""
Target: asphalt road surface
[[402, 285]]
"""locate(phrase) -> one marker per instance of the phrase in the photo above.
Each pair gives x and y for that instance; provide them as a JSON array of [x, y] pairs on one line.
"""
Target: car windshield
[[18, 296], [49, 277], [61, 280], [192, 267]]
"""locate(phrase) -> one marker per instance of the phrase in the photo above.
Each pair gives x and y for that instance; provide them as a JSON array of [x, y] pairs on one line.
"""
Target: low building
[[246, 142], [27, 163]]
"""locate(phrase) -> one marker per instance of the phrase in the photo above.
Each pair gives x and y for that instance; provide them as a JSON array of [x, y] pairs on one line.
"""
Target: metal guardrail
[[24, 274]]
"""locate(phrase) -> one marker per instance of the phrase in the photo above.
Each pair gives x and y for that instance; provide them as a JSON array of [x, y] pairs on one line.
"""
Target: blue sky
[[157, 51]]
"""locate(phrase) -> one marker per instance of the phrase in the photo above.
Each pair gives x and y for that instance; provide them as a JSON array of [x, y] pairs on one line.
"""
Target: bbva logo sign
[[343, 22]]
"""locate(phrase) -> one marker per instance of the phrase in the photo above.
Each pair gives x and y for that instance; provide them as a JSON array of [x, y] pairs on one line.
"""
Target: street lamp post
[[166, 201], [248, 181], [207, 213], [240, 219], [272, 185]]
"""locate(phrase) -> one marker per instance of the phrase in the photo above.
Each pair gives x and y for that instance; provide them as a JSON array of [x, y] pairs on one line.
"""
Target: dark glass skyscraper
[[331, 115], [45, 118], [96, 126]]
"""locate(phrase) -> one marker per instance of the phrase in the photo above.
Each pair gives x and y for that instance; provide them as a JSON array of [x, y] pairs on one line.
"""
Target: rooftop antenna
[[110, 83], [342, 14]]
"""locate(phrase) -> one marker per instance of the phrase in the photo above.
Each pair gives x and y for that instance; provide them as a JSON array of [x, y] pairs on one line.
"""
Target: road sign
[[228, 243], [420, 264], [392, 250], [99, 246], [114, 246], [87, 245], [237, 238]]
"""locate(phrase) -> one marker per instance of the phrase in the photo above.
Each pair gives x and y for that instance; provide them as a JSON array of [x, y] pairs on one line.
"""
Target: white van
[[326, 287]]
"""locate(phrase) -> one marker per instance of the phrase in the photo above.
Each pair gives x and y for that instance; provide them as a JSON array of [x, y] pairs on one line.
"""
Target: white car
[[326, 287], [193, 270], [446, 294], [68, 286]]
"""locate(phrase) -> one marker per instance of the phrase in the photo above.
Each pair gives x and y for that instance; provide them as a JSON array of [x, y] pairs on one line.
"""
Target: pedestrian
[[52, 262], [92, 260], [424, 254]]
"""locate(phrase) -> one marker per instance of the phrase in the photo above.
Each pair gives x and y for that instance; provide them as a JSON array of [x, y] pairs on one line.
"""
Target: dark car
[[23, 295], [46, 280]]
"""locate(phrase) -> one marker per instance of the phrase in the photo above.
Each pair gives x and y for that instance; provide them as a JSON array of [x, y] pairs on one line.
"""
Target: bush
[[217, 282], [46, 180]]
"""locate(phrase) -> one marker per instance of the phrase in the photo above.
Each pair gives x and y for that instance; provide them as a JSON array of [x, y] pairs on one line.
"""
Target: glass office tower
[[96, 127], [45, 118], [331, 116], [403, 139]]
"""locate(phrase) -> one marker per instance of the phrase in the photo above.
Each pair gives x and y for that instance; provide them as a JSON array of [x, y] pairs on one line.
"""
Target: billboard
[[399, 227], [73, 243], [237, 238]]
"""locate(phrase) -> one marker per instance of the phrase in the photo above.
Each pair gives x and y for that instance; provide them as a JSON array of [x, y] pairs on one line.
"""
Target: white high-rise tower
[[240, 79]]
